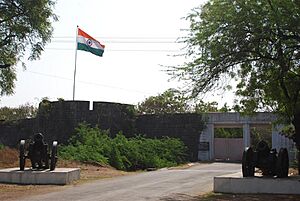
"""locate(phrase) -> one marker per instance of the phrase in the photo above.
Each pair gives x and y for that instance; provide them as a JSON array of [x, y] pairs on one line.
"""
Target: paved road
[[161, 185]]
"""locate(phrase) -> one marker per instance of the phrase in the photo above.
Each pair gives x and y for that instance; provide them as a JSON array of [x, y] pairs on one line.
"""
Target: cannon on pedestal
[[267, 160], [38, 153]]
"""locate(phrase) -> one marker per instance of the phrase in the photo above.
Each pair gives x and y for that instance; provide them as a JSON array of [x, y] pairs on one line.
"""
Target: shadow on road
[[180, 197]]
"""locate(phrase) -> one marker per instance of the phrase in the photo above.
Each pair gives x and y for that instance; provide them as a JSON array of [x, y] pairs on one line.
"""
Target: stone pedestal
[[251, 185], [59, 176]]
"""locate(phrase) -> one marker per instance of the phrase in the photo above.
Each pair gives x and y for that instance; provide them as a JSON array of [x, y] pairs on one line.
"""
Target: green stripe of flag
[[87, 48]]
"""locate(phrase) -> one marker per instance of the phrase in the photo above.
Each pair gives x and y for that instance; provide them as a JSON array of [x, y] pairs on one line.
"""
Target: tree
[[171, 101], [257, 43], [22, 112], [24, 25], [202, 107]]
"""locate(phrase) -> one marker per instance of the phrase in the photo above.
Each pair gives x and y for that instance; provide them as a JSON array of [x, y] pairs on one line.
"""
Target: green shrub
[[116, 159], [83, 153], [95, 145], [2, 146], [88, 145]]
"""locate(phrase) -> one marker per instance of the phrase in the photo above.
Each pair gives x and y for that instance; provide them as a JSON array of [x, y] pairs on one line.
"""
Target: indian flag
[[87, 43]]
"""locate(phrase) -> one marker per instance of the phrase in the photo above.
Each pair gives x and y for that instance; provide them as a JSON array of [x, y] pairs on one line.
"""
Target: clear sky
[[140, 40]]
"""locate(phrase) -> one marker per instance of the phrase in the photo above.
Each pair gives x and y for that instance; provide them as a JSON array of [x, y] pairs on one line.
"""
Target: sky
[[140, 41]]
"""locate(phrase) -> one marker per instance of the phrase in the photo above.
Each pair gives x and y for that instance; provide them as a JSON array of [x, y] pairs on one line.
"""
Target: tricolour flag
[[87, 43]]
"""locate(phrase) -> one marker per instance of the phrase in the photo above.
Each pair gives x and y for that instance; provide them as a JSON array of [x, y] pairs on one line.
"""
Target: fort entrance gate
[[211, 148]]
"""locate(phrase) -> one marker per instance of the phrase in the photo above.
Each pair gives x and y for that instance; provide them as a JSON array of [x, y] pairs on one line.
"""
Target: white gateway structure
[[212, 148]]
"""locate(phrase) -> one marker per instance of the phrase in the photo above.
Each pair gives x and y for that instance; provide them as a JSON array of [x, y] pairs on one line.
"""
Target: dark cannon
[[38, 153], [267, 160]]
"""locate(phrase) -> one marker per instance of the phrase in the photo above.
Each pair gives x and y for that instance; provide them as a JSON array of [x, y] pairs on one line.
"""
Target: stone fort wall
[[57, 121]]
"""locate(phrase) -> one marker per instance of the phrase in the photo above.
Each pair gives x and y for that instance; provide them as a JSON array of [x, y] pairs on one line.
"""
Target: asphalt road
[[164, 185]]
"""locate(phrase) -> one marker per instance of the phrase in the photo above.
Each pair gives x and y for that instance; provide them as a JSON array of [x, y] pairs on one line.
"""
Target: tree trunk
[[296, 123]]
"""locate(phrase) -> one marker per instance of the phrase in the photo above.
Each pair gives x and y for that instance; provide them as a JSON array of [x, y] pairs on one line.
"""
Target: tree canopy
[[22, 112], [24, 25], [171, 101], [255, 43], [174, 101]]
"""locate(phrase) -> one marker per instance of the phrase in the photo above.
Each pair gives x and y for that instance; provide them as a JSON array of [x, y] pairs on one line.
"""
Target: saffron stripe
[[85, 35], [82, 33], [95, 44]]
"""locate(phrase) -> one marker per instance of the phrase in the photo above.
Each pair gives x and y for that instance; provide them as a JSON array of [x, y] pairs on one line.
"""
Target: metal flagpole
[[75, 63]]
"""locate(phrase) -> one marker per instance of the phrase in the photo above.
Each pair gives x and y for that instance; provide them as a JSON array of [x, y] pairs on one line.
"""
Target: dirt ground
[[89, 172]]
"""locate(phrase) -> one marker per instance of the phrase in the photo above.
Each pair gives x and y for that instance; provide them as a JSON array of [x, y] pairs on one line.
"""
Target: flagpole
[[75, 64]]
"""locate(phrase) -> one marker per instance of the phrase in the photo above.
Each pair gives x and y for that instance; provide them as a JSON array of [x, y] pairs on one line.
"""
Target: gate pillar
[[246, 135]]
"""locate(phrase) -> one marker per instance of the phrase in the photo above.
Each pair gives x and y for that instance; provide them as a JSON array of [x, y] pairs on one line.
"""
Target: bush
[[88, 145], [95, 145], [2, 146]]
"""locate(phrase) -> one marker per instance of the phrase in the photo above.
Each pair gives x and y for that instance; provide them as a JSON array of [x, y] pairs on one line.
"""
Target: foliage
[[89, 144], [250, 40], [22, 112], [24, 25], [130, 111], [261, 133], [228, 132], [95, 145], [171, 101], [2, 146], [202, 107], [44, 107], [256, 43], [226, 108], [288, 131]]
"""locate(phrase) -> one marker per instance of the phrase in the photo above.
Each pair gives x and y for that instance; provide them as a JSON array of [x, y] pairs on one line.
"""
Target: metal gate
[[229, 149]]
